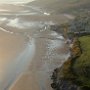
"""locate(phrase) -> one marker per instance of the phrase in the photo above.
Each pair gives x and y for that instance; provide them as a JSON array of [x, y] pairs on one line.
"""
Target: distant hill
[[58, 6]]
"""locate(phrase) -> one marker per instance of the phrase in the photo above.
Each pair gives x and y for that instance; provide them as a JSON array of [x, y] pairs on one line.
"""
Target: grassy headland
[[81, 66]]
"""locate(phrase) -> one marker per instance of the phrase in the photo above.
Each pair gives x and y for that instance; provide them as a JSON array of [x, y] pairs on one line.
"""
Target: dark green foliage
[[81, 23]]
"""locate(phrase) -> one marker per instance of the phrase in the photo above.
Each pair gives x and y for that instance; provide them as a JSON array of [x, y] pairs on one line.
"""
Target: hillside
[[58, 6]]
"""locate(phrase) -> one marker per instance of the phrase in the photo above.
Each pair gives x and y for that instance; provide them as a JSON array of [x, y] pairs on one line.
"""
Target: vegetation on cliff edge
[[81, 66]]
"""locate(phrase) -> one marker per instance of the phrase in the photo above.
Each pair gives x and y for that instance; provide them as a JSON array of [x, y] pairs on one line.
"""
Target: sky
[[16, 1]]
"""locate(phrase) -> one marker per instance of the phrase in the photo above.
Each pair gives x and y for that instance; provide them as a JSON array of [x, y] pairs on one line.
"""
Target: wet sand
[[46, 58], [27, 81], [10, 47], [15, 55]]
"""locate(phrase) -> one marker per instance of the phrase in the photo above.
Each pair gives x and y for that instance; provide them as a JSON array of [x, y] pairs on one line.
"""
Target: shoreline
[[65, 74], [41, 67]]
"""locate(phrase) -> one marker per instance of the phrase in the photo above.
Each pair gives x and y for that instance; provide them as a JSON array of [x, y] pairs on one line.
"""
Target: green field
[[81, 66]]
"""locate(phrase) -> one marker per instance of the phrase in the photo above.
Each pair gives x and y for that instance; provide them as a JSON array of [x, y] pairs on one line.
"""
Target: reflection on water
[[14, 23], [45, 13], [21, 24]]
